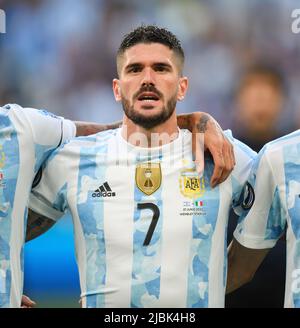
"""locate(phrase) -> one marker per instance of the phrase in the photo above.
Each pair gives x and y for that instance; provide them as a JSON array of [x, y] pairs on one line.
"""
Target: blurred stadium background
[[60, 55]]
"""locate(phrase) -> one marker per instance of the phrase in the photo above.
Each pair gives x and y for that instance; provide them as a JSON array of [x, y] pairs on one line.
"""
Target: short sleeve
[[49, 197], [262, 225], [49, 129], [242, 193]]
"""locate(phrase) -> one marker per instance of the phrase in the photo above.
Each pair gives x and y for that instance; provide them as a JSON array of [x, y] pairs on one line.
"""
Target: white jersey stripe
[[17, 224], [118, 229], [78, 230], [216, 277], [176, 240]]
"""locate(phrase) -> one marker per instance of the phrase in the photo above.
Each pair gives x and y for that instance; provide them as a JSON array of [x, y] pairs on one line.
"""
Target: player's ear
[[183, 86], [117, 89]]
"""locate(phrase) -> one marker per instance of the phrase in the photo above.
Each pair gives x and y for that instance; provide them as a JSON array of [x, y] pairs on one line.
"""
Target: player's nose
[[148, 77]]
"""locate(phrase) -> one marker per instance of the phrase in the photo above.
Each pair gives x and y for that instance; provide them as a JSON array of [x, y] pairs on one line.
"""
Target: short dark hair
[[270, 72], [152, 34]]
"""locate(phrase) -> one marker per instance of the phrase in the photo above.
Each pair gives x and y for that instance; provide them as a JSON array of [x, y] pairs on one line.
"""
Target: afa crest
[[191, 185], [148, 177]]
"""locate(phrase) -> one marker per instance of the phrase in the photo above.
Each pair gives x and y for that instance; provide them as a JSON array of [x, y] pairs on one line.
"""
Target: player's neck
[[155, 137]]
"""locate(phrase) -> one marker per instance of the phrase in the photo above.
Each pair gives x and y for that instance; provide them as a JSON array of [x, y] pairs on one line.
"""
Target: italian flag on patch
[[199, 203]]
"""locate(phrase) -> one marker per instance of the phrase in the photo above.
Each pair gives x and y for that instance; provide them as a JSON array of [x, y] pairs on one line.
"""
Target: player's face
[[150, 84], [260, 103]]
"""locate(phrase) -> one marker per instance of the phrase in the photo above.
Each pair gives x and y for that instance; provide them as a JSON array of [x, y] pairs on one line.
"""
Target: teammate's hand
[[207, 133], [27, 303]]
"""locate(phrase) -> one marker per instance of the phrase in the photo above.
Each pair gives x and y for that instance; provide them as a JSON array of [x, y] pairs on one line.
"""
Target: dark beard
[[149, 122]]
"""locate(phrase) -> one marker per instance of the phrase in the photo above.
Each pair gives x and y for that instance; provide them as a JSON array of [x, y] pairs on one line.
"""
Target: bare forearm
[[243, 262], [37, 225], [191, 122], [185, 121], [88, 128], [235, 275]]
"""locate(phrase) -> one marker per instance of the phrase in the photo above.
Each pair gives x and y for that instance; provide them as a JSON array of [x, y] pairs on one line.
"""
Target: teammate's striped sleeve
[[49, 196], [47, 128], [262, 225]]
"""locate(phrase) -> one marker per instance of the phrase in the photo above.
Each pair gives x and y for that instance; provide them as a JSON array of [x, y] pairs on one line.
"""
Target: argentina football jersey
[[149, 232], [27, 136], [276, 182]]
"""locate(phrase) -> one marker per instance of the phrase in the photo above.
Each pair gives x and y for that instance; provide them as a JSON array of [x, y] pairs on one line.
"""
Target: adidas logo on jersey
[[104, 191]]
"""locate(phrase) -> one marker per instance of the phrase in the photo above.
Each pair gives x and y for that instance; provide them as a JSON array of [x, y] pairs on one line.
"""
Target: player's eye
[[134, 69], [162, 68]]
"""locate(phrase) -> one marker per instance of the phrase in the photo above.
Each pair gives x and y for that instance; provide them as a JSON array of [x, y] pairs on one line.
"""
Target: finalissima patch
[[248, 197]]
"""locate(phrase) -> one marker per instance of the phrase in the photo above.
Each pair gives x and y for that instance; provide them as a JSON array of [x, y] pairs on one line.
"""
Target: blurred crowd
[[242, 59], [60, 55]]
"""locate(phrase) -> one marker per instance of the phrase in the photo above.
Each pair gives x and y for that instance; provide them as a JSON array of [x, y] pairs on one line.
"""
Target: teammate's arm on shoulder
[[208, 133], [243, 262], [37, 224], [88, 128]]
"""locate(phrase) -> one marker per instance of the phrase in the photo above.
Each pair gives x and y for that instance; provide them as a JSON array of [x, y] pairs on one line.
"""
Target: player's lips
[[148, 97]]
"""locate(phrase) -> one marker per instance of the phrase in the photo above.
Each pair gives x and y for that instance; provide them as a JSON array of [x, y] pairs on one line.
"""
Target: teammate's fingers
[[219, 162], [231, 161], [198, 151], [228, 162], [232, 156]]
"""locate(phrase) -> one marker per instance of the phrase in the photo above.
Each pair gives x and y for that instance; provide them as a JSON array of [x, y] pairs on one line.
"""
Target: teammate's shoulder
[[279, 143], [15, 112], [239, 146], [20, 110], [228, 134]]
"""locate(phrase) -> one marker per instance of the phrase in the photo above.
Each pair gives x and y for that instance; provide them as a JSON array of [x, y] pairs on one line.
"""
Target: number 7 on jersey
[[154, 208]]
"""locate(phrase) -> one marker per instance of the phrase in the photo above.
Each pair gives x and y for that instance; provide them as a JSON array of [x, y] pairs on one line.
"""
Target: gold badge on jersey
[[191, 185], [2, 158], [148, 177]]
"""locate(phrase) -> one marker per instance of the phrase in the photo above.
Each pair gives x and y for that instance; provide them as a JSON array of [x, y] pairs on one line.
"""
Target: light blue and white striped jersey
[[148, 231], [276, 182], [27, 137]]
